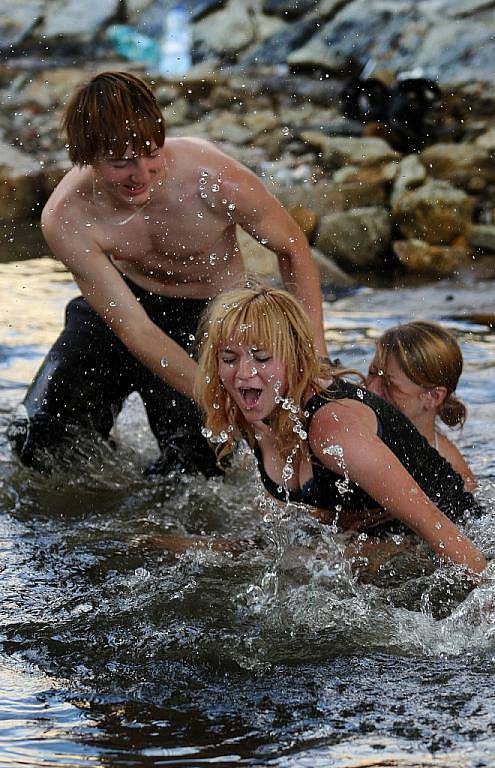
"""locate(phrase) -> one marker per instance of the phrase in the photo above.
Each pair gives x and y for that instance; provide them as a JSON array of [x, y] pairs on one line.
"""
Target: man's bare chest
[[172, 235]]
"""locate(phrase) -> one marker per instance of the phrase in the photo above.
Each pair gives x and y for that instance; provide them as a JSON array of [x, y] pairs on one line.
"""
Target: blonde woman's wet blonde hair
[[430, 356], [268, 318]]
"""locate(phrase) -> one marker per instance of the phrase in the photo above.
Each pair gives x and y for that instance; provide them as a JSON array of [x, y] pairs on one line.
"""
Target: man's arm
[[264, 218], [105, 290]]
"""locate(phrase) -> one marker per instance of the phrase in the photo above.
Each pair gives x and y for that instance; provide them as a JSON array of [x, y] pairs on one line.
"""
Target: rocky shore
[[270, 84]]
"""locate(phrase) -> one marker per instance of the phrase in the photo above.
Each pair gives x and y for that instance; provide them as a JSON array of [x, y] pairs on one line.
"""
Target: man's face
[[132, 178]]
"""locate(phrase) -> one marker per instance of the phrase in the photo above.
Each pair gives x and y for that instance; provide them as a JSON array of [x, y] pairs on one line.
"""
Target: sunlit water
[[115, 653]]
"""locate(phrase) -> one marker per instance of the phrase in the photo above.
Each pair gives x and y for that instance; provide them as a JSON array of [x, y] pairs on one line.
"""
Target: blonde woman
[[319, 439], [417, 367]]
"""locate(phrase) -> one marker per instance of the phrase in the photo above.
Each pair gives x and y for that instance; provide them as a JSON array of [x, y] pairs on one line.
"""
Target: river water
[[115, 653]]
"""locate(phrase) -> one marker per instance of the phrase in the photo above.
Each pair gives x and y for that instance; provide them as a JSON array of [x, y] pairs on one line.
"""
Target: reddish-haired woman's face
[[393, 385], [252, 377], [132, 178]]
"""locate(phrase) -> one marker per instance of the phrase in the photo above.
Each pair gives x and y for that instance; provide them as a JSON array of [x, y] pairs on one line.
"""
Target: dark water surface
[[113, 653]]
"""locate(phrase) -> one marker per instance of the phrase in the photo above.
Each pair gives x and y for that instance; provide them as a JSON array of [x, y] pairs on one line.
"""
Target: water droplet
[[164, 362]]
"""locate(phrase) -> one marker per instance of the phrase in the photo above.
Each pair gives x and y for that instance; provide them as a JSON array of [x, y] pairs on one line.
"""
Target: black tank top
[[329, 491]]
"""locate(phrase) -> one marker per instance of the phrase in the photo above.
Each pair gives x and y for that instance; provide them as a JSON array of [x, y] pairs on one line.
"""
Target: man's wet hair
[[109, 114]]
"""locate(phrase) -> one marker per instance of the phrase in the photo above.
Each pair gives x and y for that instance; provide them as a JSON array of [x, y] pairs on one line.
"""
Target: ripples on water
[[117, 654]]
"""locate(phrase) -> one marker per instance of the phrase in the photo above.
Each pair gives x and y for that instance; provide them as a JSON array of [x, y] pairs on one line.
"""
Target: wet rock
[[337, 151], [226, 31], [467, 166], [305, 218], [365, 187], [410, 174], [321, 198], [52, 89], [331, 275], [482, 236], [436, 212], [176, 113], [356, 239], [64, 19], [260, 261], [458, 52], [276, 49], [300, 90], [356, 33], [21, 184], [421, 258], [480, 318], [225, 126], [17, 20], [487, 140], [288, 8]]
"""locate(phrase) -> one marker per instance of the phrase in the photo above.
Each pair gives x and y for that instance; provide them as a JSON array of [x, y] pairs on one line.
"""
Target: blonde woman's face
[[252, 377], [391, 383]]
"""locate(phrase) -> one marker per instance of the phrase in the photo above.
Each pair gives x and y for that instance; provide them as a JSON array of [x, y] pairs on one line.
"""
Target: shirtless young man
[[147, 226]]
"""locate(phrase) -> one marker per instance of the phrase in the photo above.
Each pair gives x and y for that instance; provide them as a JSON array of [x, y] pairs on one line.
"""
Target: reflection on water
[[114, 653]]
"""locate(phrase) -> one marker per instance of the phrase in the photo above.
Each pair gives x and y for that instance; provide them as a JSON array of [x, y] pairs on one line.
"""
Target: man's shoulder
[[196, 151], [69, 196]]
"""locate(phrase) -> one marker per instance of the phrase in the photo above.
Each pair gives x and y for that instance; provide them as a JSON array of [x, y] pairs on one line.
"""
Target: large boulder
[[338, 151], [17, 20], [410, 174], [366, 186], [482, 236], [64, 20], [468, 166], [401, 36], [21, 184], [226, 31], [356, 239], [262, 262], [421, 258], [321, 197], [436, 212]]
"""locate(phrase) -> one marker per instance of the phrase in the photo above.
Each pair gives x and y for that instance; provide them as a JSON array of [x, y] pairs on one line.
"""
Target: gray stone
[[65, 19], [482, 236], [337, 151], [410, 174], [457, 9], [487, 140], [436, 212], [17, 20], [226, 31], [421, 258], [321, 197], [277, 48], [21, 184], [262, 262], [356, 239], [468, 166], [288, 8]]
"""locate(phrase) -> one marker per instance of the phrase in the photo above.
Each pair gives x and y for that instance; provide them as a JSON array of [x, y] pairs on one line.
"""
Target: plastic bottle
[[175, 44], [133, 45]]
